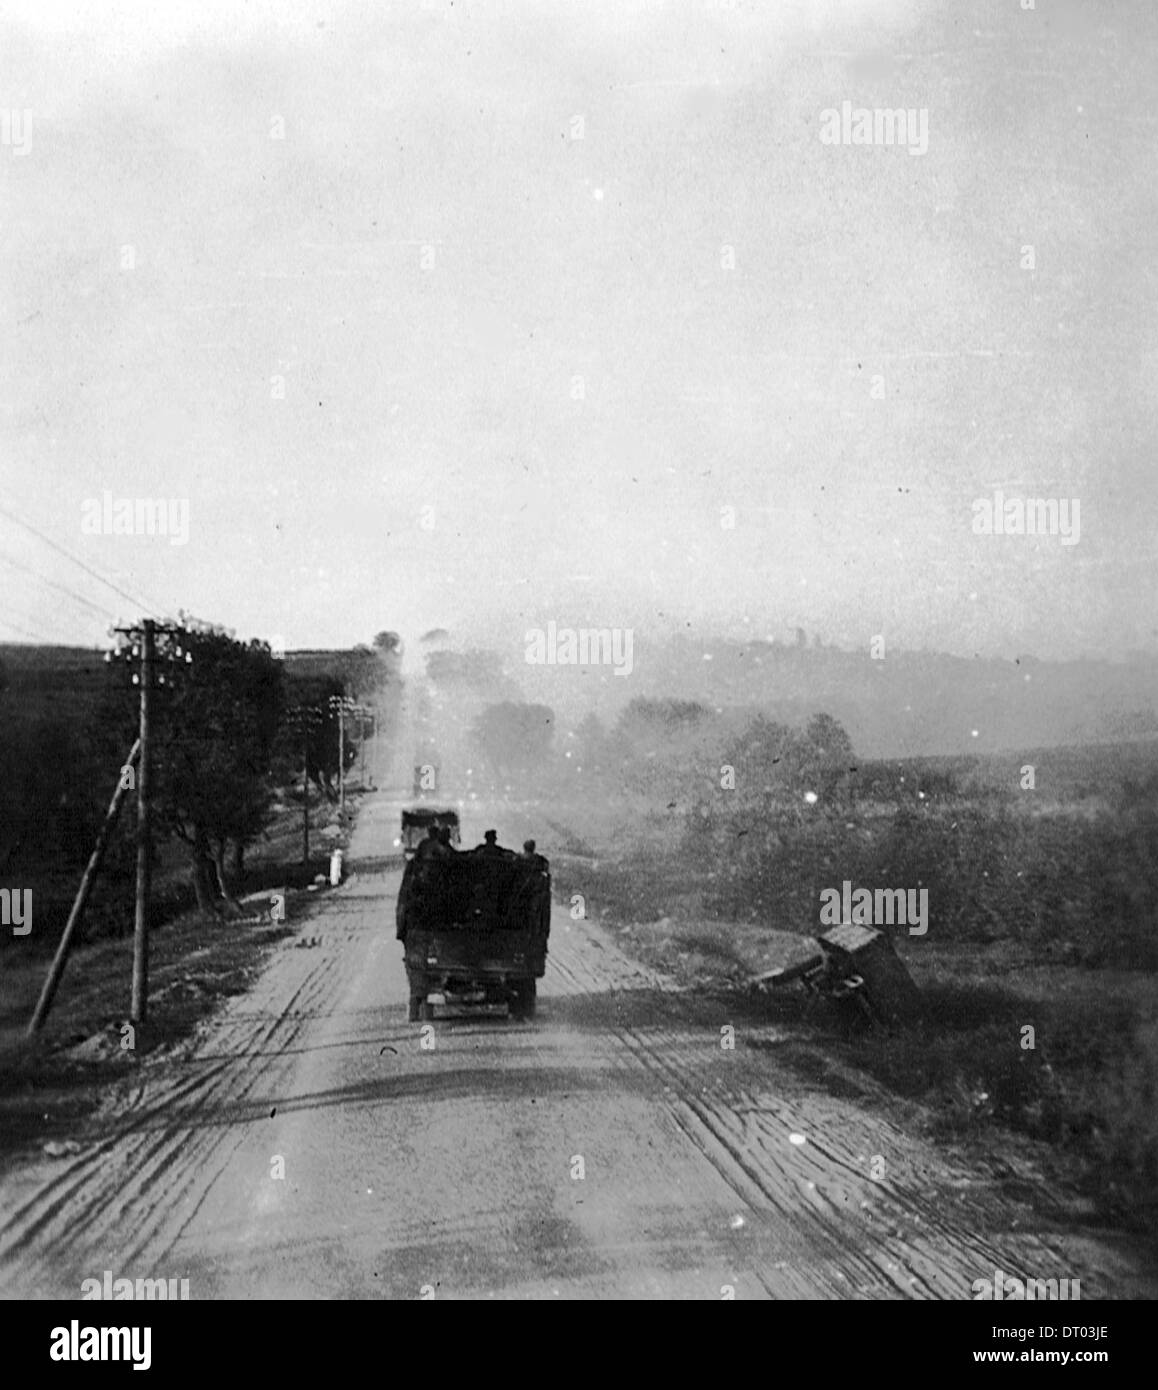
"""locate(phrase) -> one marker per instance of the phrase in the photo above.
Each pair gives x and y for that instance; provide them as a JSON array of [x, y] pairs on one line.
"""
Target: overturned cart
[[857, 968], [474, 929]]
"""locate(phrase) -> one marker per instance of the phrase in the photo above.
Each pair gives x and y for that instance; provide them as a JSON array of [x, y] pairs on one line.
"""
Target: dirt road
[[615, 1147]]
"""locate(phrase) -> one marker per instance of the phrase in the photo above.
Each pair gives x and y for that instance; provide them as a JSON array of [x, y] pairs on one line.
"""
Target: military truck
[[474, 929], [417, 820]]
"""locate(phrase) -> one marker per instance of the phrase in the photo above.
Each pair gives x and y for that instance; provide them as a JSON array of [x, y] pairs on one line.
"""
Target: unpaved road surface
[[614, 1147]]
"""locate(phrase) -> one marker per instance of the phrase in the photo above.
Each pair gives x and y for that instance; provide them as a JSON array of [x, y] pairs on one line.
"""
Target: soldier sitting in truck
[[432, 847], [491, 849], [530, 857]]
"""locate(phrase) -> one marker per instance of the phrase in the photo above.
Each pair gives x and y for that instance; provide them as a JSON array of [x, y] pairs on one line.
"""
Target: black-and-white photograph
[[578, 659]]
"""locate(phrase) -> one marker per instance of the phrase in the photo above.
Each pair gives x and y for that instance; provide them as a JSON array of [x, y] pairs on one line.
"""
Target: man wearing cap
[[432, 847], [490, 848]]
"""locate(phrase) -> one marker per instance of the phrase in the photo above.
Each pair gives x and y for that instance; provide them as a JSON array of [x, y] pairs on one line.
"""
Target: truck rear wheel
[[523, 1000]]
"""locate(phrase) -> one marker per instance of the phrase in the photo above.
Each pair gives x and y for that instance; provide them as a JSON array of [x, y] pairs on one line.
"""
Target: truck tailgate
[[474, 952]]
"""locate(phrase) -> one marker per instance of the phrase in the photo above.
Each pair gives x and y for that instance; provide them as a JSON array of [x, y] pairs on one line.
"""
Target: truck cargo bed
[[474, 929]]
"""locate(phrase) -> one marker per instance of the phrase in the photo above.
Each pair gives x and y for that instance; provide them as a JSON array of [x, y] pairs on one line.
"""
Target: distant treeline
[[899, 704]]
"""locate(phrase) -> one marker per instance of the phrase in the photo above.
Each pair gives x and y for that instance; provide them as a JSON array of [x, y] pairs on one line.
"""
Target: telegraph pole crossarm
[[342, 705]]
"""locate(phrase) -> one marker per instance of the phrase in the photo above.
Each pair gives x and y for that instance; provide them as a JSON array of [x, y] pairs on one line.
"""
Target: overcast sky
[[475, 315]]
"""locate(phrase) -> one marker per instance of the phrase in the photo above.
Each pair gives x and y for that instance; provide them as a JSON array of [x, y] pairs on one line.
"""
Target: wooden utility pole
[[139, 1006], [343, 705], [304, 718], [305, 791], [362, 746], [341, 755], [56, 969]]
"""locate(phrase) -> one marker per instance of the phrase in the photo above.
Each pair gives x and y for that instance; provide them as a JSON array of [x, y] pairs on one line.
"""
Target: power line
[[136, 602], [71, 593]]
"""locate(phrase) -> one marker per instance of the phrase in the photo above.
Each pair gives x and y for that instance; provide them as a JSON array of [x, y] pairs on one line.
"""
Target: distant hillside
[[20, 656], [908, 704], [49, 681]]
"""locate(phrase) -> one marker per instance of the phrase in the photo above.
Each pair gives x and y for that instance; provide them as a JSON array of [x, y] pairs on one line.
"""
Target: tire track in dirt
[[170, 1138], [866, 1238]]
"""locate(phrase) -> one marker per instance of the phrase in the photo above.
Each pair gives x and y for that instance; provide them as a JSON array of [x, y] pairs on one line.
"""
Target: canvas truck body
[[474, 930]]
